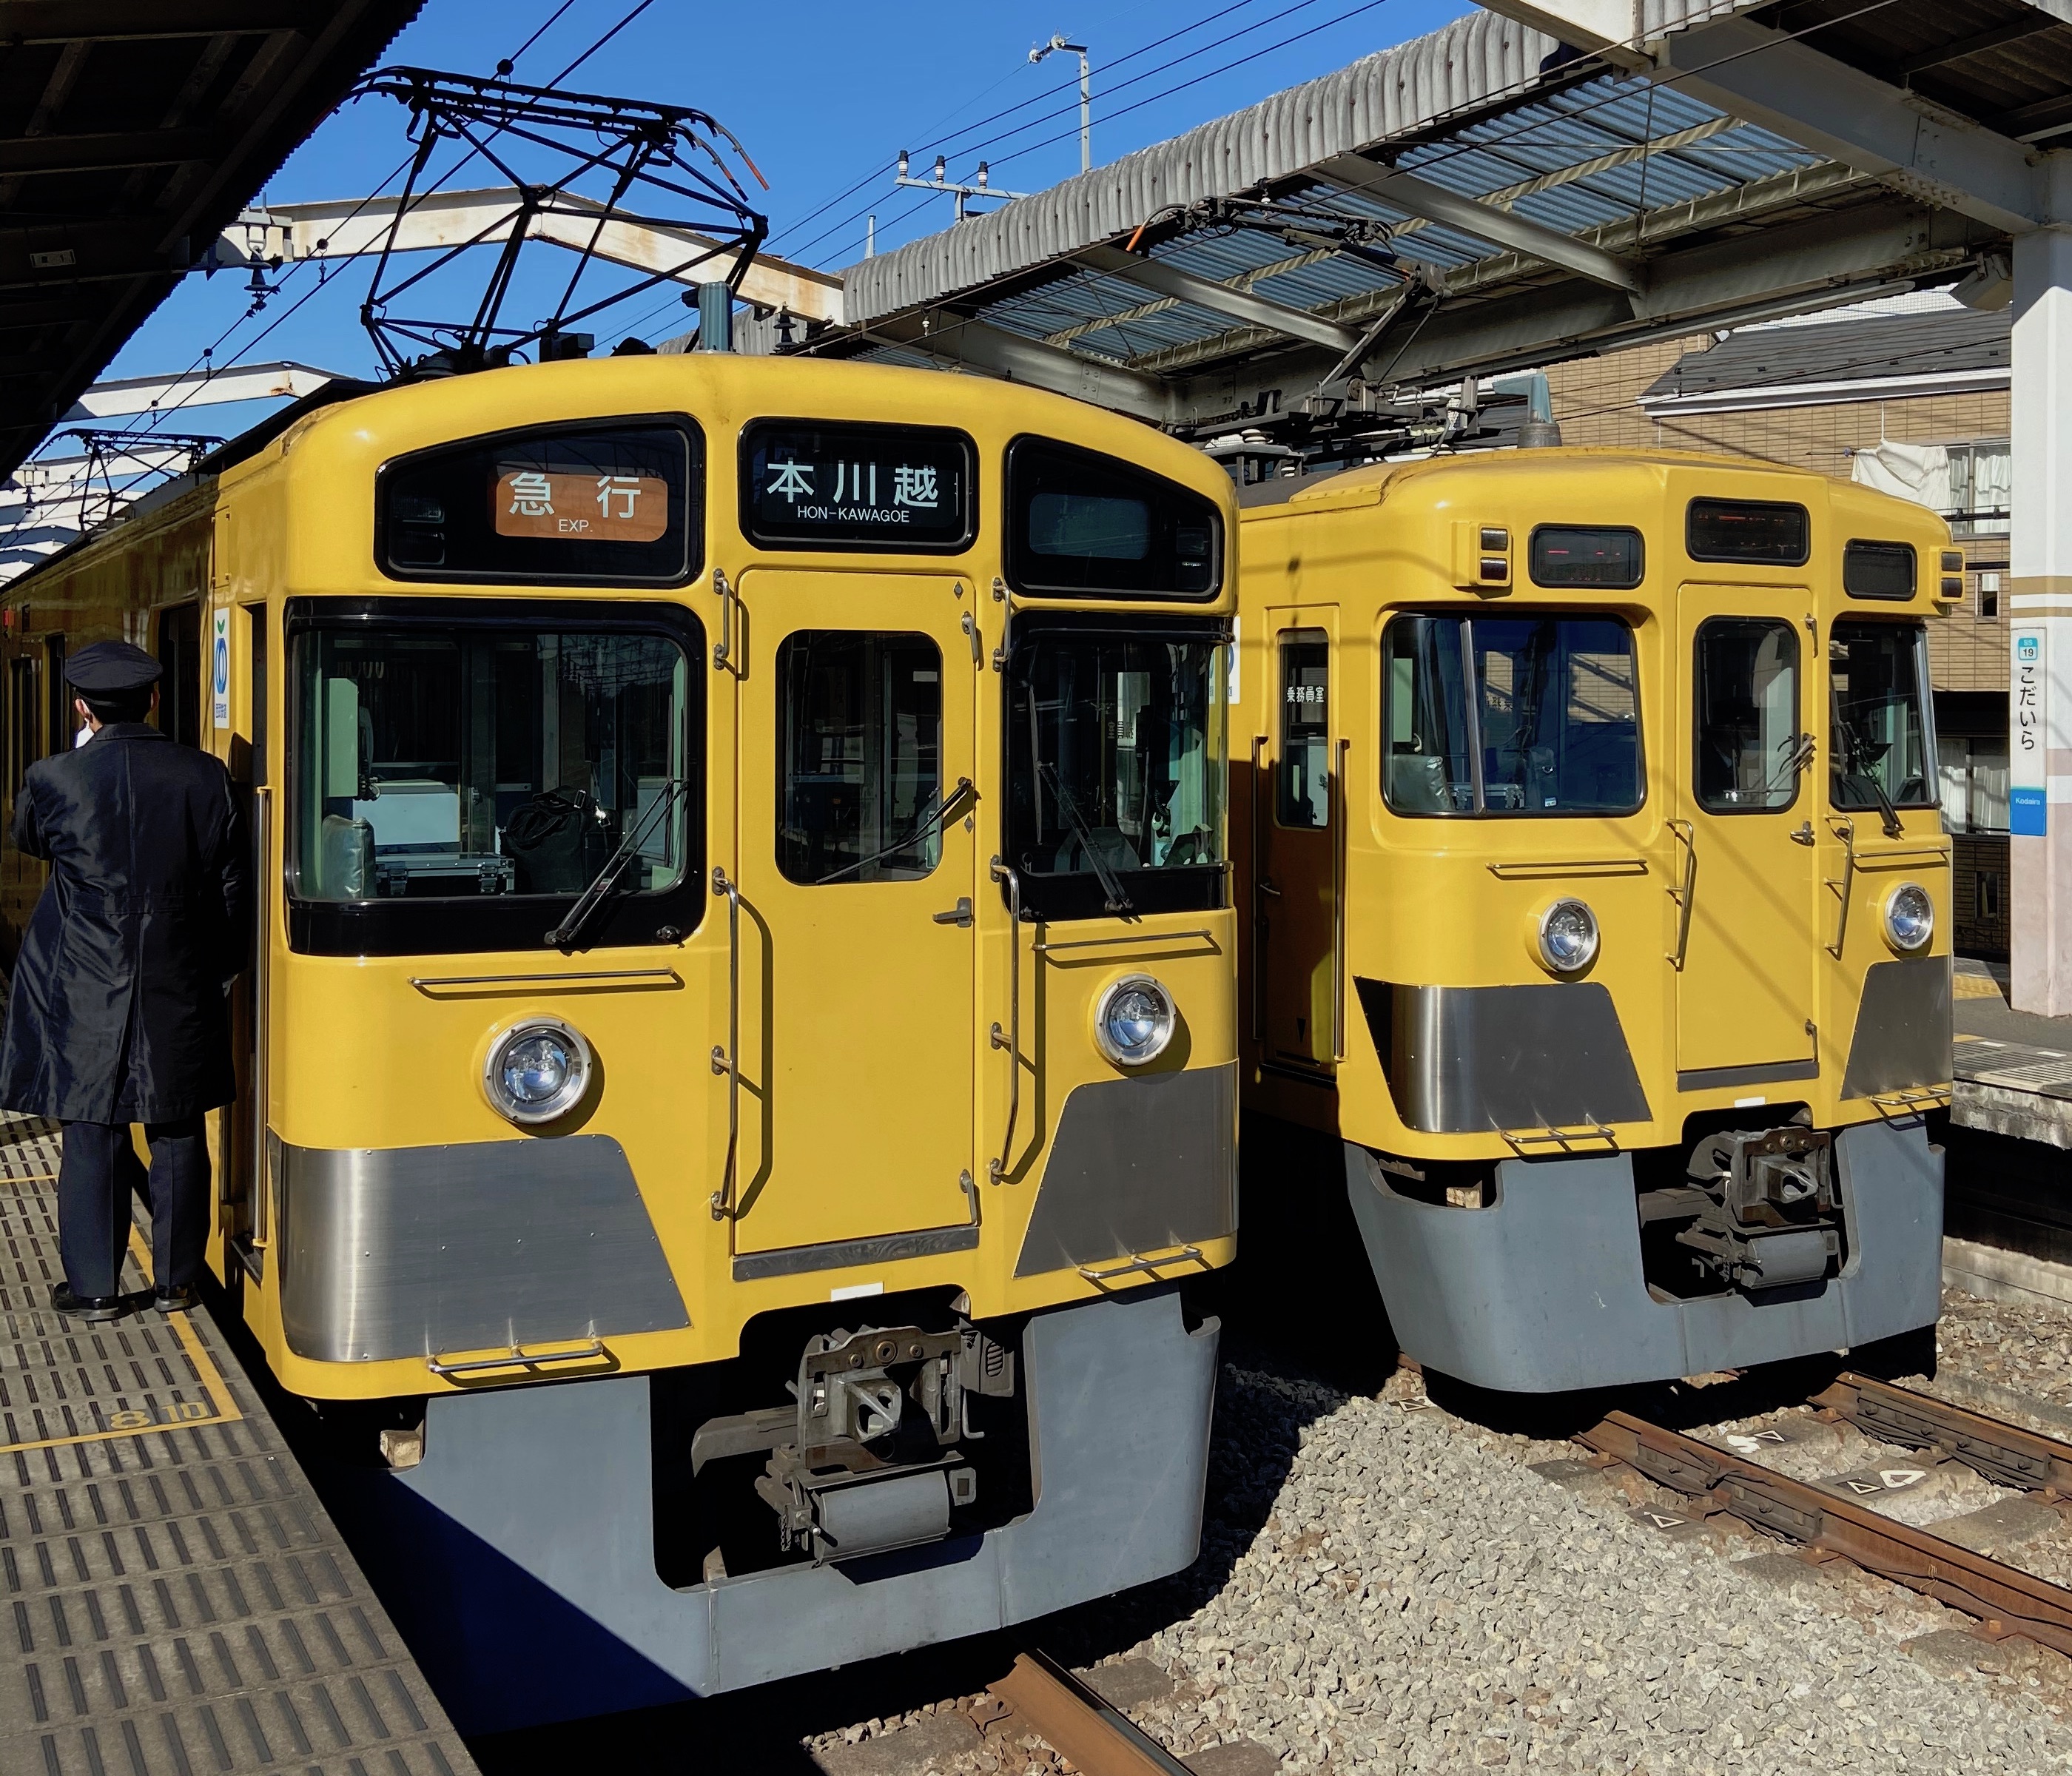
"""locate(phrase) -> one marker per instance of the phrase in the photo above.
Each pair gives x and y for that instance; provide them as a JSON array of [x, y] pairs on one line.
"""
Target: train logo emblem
[[219, 675]]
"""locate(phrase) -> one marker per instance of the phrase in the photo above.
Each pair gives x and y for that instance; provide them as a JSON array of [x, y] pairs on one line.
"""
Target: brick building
[[1912, 394]]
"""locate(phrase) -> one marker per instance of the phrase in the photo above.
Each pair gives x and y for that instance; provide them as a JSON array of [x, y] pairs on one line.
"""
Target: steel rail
[[2006, 1600], [2006, 1454], [1097, 1736]]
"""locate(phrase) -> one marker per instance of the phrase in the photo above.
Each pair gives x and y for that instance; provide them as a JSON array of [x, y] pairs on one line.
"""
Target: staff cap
[[109, 666]]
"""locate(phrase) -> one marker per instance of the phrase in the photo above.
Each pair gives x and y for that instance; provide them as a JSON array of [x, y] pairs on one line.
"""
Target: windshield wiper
[[1865, 755], [954, 806], [1118, 902], [563, 936]]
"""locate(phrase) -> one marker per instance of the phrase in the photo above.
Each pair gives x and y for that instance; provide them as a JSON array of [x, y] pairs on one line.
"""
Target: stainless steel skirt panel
[[1902, 1035], [1463, 1059], [404, 1252], [1137, 1165]]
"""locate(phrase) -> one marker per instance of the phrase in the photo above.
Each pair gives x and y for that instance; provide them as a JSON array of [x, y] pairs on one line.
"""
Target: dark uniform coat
[[118, 1012]]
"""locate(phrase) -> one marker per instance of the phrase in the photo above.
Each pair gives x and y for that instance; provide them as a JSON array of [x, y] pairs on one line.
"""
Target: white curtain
[[1919, 472]]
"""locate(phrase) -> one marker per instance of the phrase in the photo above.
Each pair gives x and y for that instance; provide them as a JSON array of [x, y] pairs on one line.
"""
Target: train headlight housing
[[1133, 1021], [1910, 917], [537, 1070], [1566, 937]]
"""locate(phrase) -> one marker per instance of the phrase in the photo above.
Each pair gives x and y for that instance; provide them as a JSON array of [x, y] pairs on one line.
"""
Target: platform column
[[2039, 610]]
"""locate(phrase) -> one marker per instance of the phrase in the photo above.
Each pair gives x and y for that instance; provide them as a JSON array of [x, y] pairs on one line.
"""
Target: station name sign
[[838, 487]]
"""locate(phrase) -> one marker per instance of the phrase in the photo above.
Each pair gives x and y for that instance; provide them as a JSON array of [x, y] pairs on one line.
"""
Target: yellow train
[[741, 1059], [1600, 902]]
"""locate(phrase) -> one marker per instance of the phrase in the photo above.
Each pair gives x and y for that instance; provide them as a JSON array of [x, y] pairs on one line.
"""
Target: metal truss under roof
[[1481, 199]]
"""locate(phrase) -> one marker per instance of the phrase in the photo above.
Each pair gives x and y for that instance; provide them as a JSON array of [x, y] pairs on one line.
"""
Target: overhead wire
[[206, 357], [1071, 110]]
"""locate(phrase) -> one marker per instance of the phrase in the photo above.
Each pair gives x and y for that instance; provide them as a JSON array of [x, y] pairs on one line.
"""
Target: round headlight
[[1568, 937], [1134, 1020], [537, 1070], [1909, 916]]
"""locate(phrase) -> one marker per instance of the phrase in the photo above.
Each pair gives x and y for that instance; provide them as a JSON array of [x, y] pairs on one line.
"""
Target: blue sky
[[823, 95]]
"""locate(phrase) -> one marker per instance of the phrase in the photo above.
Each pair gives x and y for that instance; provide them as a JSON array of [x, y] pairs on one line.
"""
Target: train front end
[[1603, 902], [745, 1068]]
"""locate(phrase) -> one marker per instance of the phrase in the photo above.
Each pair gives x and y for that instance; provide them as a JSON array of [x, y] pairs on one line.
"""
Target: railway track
[[2005, 1600]]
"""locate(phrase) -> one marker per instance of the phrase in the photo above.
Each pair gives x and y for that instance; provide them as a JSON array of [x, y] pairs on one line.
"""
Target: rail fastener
[[2005, 1600]]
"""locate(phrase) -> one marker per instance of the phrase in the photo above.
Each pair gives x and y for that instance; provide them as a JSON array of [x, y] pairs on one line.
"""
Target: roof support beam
[[1786, 85], [1000, 353], [1805, 265], [1220, 298], [348, 228], [1833, 109], [1485, 221]]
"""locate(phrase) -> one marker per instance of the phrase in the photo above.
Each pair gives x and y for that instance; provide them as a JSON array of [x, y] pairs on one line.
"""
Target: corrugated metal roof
[[1390, 94]]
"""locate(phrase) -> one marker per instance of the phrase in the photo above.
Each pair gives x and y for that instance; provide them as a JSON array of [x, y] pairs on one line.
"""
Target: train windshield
[[1512, 715], [1884, 740], [1116, 771], [462, 763]]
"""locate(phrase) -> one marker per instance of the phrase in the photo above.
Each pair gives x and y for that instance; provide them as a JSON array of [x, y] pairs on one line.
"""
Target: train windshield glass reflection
[[1116, 772], [486, 761], [1883, 737], [1514, 715]]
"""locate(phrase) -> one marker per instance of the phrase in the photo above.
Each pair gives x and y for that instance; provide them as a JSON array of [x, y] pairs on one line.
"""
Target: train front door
[[1299, 830], [1743, 865], [857, 859]]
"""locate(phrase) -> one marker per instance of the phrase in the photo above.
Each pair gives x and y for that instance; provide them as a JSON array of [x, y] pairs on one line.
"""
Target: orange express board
[[582, 507]]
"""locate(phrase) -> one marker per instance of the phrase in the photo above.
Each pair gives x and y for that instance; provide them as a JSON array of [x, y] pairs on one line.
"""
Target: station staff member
[[117, 1013]]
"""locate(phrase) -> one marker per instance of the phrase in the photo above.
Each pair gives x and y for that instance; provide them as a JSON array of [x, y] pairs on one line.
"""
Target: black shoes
[[94, 1310]]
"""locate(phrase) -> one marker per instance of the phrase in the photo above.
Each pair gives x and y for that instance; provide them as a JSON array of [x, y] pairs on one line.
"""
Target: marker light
[[1568, 937], [1133, 1021], [1910, 917], [536, 1072]]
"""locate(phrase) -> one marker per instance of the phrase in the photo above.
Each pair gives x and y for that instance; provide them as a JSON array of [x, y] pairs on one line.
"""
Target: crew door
[[1743, 865], [857, 948], [1301, 834]]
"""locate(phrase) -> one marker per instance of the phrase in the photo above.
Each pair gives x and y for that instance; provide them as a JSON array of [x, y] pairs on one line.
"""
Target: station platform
[[2013, 1070], [176, 1602]]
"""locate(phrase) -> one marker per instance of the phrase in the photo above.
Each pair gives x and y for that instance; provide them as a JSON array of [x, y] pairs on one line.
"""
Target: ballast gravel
[[1419, 1599]]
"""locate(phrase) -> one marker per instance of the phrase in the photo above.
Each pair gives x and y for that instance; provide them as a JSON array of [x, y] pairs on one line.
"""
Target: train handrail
[[1144, 939], [517, 1358], [1514, 869], [997, 1169], [723, 654], [1339, 905], [727, 1061], [1686, 835], [428, 983], [1258, 887]]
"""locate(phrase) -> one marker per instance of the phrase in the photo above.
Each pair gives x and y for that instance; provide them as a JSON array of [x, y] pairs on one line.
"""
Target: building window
[[1989, 594], [1981, 483], [1974, 773]]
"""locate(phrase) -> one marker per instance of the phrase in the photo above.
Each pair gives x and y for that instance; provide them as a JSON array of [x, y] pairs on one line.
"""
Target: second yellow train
[[1597, 899]]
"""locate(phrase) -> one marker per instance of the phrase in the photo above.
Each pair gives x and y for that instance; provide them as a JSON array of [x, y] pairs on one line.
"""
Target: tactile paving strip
[[173, 1601]]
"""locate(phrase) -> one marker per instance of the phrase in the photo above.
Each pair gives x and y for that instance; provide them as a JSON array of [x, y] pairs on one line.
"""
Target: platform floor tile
[[173, 1601]]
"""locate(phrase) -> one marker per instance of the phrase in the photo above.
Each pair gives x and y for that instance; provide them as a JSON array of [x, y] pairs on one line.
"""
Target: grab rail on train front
[[1686, 835], [1260, 885], [997, 1169], [726, 1061], [1853, 860], [1338, 830]]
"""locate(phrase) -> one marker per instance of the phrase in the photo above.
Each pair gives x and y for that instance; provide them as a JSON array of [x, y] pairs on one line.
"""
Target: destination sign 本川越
[[857, 487]]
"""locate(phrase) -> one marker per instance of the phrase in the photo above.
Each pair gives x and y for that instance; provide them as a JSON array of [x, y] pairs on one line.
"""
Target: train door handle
[[1266, 887], [959, 914]]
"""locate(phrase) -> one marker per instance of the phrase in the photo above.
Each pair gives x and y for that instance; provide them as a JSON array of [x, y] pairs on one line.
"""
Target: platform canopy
[[1588, 175], [132, 133]]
